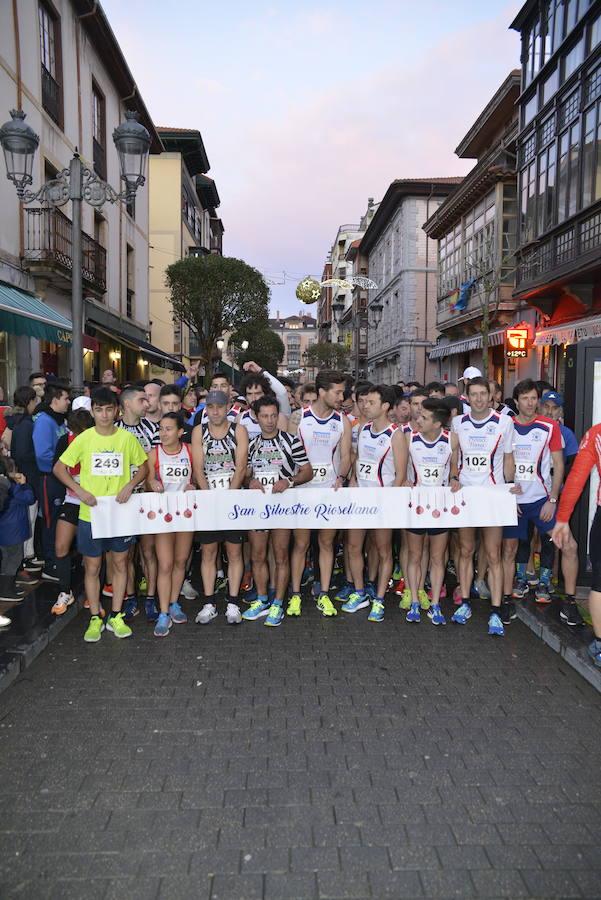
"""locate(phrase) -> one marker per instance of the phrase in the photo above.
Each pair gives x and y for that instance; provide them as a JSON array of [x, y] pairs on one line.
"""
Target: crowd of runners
[[60, 455]]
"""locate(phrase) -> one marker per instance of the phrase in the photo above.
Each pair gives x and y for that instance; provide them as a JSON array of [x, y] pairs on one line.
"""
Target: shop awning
[[146, 350], [569, 332], [23, 314], [495, 339]]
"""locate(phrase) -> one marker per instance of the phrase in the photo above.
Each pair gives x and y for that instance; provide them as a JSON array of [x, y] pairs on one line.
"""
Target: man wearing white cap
[[468, 374]]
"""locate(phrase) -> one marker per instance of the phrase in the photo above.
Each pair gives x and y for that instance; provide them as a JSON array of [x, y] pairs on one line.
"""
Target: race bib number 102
[[478, 464]]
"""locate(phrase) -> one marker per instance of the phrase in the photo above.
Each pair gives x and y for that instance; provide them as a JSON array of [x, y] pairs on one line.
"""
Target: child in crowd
[[15, 500]]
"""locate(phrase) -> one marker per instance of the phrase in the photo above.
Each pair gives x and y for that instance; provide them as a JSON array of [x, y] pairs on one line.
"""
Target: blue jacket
[[48, 426], [14, 518]]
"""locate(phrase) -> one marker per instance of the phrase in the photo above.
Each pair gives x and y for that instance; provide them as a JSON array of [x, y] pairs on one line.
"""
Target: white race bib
[[367, 470], [107, 463], [477, 463], [267, 478], [525, 471], [220, 480], [175, 473], [323, 473], [430, 474]]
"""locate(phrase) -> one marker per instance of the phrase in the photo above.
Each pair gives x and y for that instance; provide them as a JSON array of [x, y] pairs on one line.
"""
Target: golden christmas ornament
[[308, 290]]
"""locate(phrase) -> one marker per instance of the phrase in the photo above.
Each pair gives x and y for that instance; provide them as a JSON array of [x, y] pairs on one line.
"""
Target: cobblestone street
[[323, 759]]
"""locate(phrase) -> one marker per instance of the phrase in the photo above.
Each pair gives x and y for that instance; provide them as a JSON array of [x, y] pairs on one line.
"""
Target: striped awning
[[569, 333], [23, 314], [495, 339]]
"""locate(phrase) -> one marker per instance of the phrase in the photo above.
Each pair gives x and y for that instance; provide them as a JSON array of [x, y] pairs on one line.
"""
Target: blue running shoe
[[436, 616], [250, 595], [376, 613], [307, 576], [150, 608], [161, 629], [178, 616], [345, 592], [463, 614], [316, 590], [275, 615], [271, 596], [371, 590], [131, 608], [257, 610], [356, 601], [495, 626], [397, 572], [594, 651], [413, 613]]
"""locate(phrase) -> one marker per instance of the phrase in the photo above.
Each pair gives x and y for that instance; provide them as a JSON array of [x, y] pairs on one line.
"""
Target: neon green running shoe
[[424, 601], [143, 585], [94, 630], [377, 612], [397, 572], [116, 624], [294, 605], [405, 601], [326, 606]]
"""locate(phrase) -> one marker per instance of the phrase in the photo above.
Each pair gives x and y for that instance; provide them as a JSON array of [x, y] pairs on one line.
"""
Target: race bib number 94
[[525, 471], [107, 463]]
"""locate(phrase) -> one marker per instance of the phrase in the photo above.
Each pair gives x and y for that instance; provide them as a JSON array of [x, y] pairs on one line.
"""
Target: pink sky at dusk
[[305, 114]]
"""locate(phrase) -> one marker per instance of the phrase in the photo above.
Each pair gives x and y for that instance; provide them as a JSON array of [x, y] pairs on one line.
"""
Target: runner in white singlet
[[326, 436], [170, 471]]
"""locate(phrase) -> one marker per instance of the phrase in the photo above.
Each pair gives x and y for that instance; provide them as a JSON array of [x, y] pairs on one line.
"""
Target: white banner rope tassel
[[423, 507]]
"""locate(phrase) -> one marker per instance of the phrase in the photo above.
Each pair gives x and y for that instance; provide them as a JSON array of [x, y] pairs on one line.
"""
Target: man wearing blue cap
[[551, 405]]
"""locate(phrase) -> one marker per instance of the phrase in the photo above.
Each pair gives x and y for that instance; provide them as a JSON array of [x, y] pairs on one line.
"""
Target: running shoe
[[63, 600], [50, 576], [5, 621], [451, 568], [256, 610], [188, 591], [457, 598], [435, 615], [275, 615], [594, 651], [271, 596], [37, 562], [131, 608], [371, 590], [405, 601], [116, 624], [232, 614], [294, 605], [423, 599], [143, 585], [307, 576], [520, 589], [86, 605], [443, 592], [482, 589], [541, 593], [495, 626], [161, 629], [413, 615], [532, 579], [221, 584], [176, 614], [26, 578], [356, 601], [316, 590], [94, 630], [463, 614], [150, 608], [508, 612], [376, 613], [397, 572], [205, 615], [325, 605], [343, 593], [570, 614], [399, 588], [250, 596], [247, 581], [107, 590]]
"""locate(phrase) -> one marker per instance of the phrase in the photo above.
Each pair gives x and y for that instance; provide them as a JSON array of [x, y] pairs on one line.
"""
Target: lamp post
[[375, 311], [221, 342], [76, 184]]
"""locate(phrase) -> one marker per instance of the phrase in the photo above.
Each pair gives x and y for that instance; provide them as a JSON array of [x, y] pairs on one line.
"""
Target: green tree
[[328, 356], [214, 295], [264, 347]]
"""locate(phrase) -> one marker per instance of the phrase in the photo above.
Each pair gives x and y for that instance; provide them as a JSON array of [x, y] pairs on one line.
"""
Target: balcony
[[51, 96], [49, 249], [99, 159]]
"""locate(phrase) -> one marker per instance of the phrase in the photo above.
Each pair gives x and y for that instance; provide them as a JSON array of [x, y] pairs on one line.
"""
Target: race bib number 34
[[108, 463], [430, 474]]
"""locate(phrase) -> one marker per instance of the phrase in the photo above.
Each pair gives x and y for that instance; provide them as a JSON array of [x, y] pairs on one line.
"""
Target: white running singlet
[[532, 446], [173, 470], [375, 460], [430, 462], [321, 440], [250, 423], [482, 445]]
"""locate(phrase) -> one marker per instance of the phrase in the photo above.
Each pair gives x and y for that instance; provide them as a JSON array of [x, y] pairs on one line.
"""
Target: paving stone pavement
[[324, 759]]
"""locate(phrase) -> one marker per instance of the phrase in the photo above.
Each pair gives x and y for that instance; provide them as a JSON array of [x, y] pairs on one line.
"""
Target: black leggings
[[594, 550]]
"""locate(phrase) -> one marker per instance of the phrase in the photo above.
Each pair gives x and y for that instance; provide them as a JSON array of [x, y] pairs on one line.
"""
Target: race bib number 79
[[108, 463]]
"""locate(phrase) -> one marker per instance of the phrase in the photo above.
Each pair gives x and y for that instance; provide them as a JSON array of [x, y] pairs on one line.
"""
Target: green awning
[[23, 314]]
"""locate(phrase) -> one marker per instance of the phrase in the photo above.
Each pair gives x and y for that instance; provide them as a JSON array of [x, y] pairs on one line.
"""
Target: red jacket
[[589, 455]]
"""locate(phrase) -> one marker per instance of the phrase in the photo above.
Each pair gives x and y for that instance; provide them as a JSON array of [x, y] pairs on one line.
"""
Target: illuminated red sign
[[517, 342]]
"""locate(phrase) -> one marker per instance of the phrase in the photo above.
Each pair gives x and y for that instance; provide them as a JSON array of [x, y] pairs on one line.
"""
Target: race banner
[[397, 507]]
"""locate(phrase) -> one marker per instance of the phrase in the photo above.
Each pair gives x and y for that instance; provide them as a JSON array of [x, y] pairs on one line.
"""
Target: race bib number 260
[[108, 463]]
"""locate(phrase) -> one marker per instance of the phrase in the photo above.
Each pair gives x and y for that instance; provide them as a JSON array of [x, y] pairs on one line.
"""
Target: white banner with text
[[399, 507]]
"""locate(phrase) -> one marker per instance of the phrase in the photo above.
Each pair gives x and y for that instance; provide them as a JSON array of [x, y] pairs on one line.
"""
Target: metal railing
[[49, 237], [99, 158], [51, 95]]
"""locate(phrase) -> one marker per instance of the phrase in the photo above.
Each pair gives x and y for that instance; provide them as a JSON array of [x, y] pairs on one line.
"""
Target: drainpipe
[[429, 197]]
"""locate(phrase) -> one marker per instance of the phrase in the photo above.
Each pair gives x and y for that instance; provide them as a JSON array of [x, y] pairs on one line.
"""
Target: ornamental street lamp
[[220, 344], [77, 183]]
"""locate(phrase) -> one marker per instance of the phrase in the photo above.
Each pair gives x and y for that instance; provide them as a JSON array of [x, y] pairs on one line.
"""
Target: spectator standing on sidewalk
[[14, 528], [19, 437], [49, 425]]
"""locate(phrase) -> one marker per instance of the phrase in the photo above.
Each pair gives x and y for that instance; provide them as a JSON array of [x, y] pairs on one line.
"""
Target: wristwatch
[[291, 482], [552, 499]]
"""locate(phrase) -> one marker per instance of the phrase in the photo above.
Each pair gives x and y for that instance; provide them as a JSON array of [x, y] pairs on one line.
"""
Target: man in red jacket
[[589, 455]]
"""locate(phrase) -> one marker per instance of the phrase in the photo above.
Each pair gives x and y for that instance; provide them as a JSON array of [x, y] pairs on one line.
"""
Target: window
[[595, 33], [99, 131], [573, 58], [131, 275], [550, 86], [530, 109], [50, 60]]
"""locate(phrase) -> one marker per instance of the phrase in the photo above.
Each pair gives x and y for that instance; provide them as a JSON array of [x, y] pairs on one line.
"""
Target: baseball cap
[[471, 372], [81, 403], [218, 397], [553, 397]]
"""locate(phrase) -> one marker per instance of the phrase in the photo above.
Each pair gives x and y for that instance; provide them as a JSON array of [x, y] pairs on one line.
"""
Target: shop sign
[[517, 342]]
